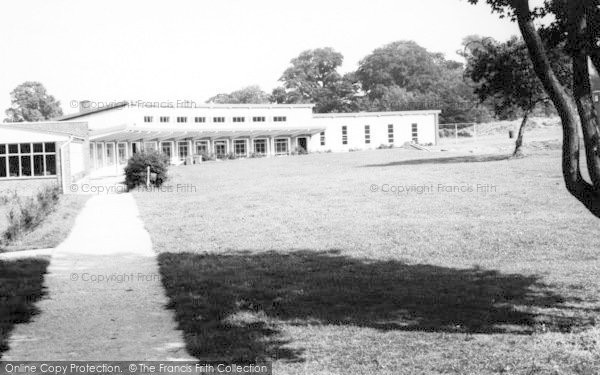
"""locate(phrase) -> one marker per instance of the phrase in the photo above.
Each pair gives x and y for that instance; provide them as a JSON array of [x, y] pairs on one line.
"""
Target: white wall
[[76, 152], [296, 117], [378, 122], [8, 135]]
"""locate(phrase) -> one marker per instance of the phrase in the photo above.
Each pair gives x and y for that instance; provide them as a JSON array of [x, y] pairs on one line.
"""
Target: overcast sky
[[191, 50]]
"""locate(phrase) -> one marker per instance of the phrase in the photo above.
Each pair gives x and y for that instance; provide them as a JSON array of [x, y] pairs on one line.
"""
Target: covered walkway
[[110, 148]]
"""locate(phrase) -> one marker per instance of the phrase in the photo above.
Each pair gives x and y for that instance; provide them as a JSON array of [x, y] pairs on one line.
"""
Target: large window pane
[[13, 149], [2, 166], [25, 148], [26, 165], [50, 147], [13, 166], [110, 154], [38, 165], [2, 149], [99, 156], [50, 165], [122, 152], [38, 147]]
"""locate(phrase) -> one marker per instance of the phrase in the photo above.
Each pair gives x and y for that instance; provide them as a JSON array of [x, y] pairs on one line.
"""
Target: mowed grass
[[21, 285], [299, 261]]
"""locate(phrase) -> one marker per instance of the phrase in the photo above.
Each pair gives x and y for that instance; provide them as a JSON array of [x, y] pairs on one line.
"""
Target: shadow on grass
[[229, 306], [21, 286], [447, 160]]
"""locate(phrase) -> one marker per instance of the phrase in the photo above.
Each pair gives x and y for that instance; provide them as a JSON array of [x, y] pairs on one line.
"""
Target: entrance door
[[184, 152], [220, 149], [302, 144], [167, 149]]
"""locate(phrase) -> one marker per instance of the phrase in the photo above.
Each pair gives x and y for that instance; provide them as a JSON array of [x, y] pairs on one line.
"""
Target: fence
[[458, 130]]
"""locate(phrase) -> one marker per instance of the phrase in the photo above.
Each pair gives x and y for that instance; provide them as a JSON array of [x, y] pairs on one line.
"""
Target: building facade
[[37, 154], [184, 132]]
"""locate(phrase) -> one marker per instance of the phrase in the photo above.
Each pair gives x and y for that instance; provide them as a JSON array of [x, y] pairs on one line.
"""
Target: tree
[[31, 102], [313, 77], [577, 24], [247, 95], [405, 76], [505, 77]]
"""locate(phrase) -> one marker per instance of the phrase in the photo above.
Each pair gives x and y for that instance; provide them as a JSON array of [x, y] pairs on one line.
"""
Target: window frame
[[31, 154]]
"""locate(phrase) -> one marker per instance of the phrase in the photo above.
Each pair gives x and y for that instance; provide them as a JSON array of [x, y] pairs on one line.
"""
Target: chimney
[[85, 105]]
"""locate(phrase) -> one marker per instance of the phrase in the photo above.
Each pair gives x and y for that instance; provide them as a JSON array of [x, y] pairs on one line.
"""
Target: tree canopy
[[405, 76], [313, 77], [31, 102], [575, 28], [247, 95]]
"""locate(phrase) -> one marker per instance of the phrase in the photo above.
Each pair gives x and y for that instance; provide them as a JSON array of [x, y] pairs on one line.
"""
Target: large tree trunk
[[518, 153], [575, 183]]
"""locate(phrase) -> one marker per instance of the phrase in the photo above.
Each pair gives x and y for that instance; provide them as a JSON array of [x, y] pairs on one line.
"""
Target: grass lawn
[[298, 261], [52, 231], [21, 285]]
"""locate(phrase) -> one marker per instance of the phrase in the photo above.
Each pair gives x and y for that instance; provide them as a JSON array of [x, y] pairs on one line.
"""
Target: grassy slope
[[296, 259], [54, 229]]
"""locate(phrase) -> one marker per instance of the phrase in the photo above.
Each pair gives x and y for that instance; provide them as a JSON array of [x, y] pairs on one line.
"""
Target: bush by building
[[137, 169]]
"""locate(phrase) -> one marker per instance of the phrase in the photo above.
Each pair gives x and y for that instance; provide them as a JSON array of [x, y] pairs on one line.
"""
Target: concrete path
[[105, 300]]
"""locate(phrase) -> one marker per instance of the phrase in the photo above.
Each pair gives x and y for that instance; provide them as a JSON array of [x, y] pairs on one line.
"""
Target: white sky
[[191, 50]]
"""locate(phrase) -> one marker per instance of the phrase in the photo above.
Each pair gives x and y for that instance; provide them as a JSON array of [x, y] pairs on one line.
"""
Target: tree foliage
[[31, 102], [575, 28], [405, 76], [313, 77], [505, 77], [247, 95]]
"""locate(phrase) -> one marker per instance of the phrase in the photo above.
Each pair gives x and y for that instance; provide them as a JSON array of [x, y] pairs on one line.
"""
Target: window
[[322, 138], [281, 146], [149, 146], [239, 147], [164, 119], [258, 119], [239, 119], [260, 146], [199, 119], [218, 119], [279, 119], [99, 155], [201, 147], [148, 118], [122, 153], [415, 133], [183, 150], [344, 135], [367, 134], [27, 159], [220, 149], [110, 154], [181, 119], [390, 133], [167, 149]]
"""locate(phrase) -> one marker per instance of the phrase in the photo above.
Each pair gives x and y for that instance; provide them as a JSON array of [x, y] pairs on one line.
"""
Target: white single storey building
[[186, 130], [36, 154]]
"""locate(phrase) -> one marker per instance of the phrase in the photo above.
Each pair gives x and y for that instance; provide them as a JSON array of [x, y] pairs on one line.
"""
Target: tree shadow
[[446, 160], [21, 286], [229, 306]]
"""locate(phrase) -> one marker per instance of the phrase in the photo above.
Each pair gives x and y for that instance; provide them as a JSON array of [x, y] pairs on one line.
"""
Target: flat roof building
[[185, 130]]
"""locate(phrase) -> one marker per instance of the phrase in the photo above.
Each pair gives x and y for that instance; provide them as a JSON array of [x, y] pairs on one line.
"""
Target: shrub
[[25, 214], [136, 169]]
